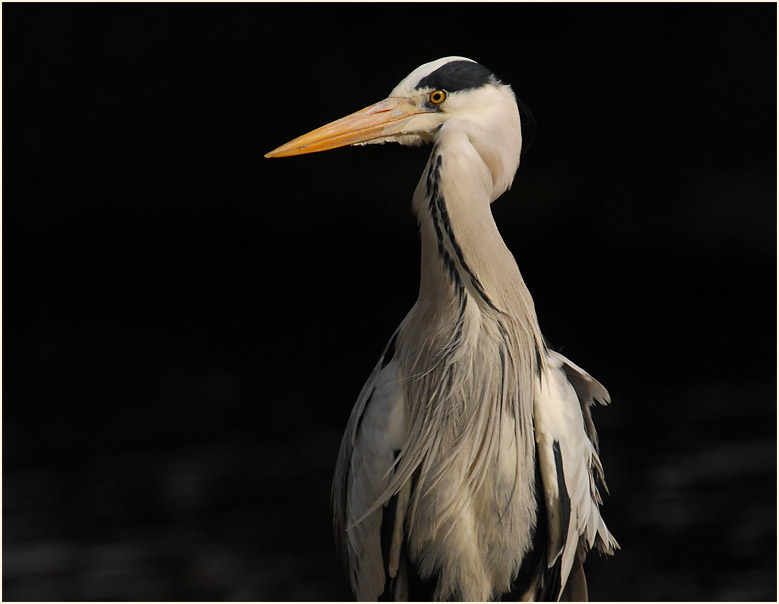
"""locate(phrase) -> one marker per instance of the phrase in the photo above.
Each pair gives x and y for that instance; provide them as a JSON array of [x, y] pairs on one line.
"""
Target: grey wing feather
[[373, 435], [570, 469]]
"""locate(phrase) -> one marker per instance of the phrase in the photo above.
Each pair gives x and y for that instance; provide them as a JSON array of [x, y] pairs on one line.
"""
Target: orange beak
[[383, 119]]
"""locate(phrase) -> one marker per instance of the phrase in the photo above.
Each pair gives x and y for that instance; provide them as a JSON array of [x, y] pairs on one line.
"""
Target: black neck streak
[[456, 267]]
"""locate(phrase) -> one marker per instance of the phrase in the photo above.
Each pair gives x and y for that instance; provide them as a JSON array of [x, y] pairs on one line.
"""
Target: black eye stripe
[[457, 75]]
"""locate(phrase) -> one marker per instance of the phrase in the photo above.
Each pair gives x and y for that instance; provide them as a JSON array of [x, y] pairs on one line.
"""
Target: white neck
[[452, 203]]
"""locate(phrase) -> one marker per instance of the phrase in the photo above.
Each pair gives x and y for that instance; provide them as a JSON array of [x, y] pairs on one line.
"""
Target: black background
[[187, 324]]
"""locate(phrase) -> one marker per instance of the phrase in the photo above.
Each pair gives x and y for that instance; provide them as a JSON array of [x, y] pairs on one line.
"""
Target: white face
[[435, 95]]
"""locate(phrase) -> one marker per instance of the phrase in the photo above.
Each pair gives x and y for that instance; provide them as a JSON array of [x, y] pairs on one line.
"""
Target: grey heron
[[469, 467]]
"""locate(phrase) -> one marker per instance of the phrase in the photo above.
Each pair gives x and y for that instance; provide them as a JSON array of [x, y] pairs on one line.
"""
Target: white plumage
[[469, 466]]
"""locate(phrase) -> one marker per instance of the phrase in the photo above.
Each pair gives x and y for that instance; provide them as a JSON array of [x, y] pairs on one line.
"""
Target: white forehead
[[408, 83]]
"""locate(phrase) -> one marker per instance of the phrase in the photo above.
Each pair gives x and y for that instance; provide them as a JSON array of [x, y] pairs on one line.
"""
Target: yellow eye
[[437, 97]]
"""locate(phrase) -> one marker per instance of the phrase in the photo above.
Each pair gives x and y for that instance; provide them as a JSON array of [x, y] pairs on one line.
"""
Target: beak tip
[[287, 151]]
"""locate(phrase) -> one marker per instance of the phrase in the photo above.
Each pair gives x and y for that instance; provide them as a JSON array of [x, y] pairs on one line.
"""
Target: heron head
[[414, 112]]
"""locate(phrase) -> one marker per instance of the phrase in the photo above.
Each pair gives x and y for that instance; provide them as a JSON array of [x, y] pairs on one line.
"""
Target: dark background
[[187, 324]]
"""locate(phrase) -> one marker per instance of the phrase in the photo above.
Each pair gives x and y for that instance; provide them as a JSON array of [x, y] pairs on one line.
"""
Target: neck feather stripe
[[445, 234]]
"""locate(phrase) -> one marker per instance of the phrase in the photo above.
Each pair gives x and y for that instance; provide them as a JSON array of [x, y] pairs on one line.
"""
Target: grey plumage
[[470, 439]]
